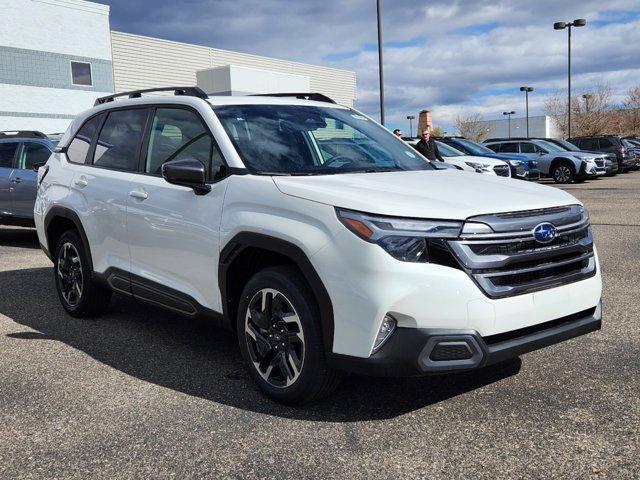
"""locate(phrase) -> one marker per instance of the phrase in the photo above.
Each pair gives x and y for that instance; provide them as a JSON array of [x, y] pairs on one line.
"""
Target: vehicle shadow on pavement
[[19, 237], [196, 358]]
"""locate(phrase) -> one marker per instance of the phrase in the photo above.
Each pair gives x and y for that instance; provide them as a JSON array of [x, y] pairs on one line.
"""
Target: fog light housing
[[387, 327]]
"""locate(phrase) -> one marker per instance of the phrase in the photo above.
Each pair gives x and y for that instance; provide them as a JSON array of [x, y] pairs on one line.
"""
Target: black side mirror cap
[[187, 172], [38, 165]]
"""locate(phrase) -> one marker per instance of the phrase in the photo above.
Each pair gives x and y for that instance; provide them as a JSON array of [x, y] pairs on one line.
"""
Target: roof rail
[[23, 133], [186, 91], [316, 97]]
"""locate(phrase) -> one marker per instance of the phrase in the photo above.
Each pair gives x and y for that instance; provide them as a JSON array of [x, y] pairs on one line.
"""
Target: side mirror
[[36, 166], [187, 172]]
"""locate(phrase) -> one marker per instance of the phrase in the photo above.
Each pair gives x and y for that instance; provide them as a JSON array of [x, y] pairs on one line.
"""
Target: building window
[[81, 74]]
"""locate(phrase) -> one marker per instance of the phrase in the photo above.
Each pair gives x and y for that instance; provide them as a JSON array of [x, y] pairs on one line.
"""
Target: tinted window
[[33, 153], [495, 147], [119, 140], [509, 148], [588, 144], [79, 146], [605, 143], [81, 73], [7, 153], [178, 134], [527, 147]]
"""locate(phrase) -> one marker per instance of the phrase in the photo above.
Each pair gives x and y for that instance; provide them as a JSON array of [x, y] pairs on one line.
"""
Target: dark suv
[[609, 144], [21, 153]]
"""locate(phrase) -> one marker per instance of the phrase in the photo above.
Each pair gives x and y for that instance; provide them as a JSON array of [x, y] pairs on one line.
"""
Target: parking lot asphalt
[[142, 393]]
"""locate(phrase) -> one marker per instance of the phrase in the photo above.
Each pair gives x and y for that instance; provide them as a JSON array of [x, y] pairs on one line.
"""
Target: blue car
[[21, 153], [521, 166]]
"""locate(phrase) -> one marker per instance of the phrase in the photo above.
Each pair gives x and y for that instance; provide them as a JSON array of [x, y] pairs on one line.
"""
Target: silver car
[[21, 153]]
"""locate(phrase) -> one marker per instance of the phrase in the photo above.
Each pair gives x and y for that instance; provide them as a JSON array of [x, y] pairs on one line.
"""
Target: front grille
[[510, 261], [501, 170], [600, 162]]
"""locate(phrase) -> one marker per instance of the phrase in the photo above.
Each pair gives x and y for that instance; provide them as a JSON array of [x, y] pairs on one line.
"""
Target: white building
[[58, 56], [539, 126]]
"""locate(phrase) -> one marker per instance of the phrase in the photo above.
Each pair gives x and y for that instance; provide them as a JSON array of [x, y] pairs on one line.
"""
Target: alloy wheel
[[274, 337], [562, 174], [70, 277]]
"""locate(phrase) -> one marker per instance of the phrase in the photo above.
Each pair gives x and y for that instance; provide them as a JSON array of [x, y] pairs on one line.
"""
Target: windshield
[[447, 150], [548, 146], [628, 143], [473, 147], [309, 140], [568, 146]]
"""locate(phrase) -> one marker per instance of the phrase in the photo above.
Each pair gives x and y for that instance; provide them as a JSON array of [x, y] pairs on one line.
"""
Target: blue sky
[[453, 57]]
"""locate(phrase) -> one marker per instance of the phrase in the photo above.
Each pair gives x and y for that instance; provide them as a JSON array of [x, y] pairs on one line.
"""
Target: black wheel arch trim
[[244, 240], [58, 211]]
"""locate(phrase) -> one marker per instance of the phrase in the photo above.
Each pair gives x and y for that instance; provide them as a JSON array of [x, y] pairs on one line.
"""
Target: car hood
[[444, 194], [506, 156], [473, 158]]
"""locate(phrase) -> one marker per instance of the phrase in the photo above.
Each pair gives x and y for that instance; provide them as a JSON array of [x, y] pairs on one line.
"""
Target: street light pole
[[526, 91], [586, 97], [509, 115], [379, 12], [410, 118], [579, 22]]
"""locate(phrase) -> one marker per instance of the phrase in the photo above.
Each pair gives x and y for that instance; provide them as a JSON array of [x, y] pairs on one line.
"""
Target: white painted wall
[[21, 98], [73, 27], [236, 79], [45, 125], [539, 126]]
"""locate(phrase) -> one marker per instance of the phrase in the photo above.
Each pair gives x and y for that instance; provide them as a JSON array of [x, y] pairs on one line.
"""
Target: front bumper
[[423, 351]]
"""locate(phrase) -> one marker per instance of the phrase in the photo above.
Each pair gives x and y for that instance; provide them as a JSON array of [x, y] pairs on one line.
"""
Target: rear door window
[[509, 148], [605, 143], [526, 147], [119, 140], [495, 147], [79, 147], [8, 153], [588, 144]]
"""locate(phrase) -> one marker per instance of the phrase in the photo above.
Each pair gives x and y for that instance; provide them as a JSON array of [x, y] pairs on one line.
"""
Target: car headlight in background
[[404, 239], [478, 165], [515, 163]]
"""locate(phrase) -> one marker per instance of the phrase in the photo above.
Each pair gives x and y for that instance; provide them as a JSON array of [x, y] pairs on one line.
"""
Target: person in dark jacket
[[427, 146]]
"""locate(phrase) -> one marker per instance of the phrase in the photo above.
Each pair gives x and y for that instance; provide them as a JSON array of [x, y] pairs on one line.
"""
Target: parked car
[[633, 145], [554, 162], [521, 167], [605, 162], [413, 141], [21, 153], [610, 144], [485, 165], [321, 262]]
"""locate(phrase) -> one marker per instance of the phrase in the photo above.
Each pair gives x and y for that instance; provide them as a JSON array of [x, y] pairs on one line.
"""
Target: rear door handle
[[81, 182], [139, 194]]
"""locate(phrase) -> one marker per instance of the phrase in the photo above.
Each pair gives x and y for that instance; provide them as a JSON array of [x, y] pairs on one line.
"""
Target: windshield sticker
[[409, 154]]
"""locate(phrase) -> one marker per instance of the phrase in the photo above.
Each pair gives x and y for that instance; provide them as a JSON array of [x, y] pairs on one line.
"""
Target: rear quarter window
[[79, 147]]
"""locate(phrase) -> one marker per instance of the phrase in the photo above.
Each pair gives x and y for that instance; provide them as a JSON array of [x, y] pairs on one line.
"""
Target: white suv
[[325, 242]]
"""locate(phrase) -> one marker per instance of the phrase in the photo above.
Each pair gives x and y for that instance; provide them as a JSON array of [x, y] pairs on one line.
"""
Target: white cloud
[[444, 70]]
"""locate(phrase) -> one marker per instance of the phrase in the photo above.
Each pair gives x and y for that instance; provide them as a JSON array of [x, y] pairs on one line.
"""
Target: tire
[[563, 172], [79, 295], [284, 353]]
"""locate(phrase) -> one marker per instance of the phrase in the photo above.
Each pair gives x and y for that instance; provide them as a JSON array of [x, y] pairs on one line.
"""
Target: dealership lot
[[143, 393]]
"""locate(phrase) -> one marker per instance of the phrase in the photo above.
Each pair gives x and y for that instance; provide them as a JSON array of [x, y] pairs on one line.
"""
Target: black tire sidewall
[[85, 298], [571, 170], [314, 369]]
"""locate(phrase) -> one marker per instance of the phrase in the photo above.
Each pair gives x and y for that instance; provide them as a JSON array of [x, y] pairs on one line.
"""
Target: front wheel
[[563, 173], [280, 338]]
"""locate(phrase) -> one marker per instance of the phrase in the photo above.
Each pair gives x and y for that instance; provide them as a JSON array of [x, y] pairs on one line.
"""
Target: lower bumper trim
[[408, 351]]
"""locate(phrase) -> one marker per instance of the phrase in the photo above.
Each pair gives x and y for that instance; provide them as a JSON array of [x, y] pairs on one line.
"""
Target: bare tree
[[591, 112], [437, 131], [471, 126], [631, 113]]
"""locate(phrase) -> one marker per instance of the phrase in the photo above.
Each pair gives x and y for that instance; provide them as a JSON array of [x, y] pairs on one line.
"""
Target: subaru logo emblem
[[545, 232]]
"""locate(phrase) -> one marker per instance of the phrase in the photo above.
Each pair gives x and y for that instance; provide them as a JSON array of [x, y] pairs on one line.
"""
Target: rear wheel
[[78, 293], [563, 173], [280, 337]]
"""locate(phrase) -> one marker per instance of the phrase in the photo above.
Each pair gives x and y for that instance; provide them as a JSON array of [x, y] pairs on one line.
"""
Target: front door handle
[[81, 182], [16, 180], [139, 194]]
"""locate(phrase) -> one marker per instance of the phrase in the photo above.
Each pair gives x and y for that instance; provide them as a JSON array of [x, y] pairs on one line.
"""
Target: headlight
[[478, 165], [404, 239], [515, 163]]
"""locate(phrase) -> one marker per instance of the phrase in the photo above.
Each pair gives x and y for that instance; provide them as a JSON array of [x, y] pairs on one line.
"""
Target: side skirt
[[148, 291]]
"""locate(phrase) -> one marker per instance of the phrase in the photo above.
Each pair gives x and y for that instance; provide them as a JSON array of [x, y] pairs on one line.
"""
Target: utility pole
[[380, 69]]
